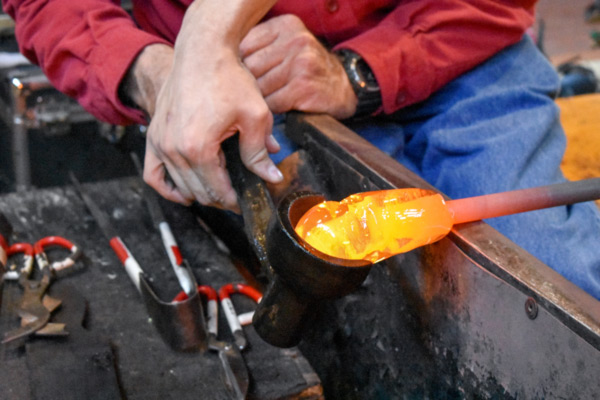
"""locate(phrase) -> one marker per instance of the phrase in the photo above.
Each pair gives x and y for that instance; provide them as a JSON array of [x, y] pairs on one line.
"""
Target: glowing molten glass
[[376, 225]]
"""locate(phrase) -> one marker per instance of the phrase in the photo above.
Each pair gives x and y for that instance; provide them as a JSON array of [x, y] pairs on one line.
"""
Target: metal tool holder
[[29, 101]]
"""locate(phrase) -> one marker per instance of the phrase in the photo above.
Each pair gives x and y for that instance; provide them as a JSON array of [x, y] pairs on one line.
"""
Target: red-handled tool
[[42, 258], [232, 318], [234, 367], [179, 323], [212, 311], [37, 252], [36, 306], [14, 272], [3, 250], [166, 234], [5, 231], [131, 265], [228, 289]]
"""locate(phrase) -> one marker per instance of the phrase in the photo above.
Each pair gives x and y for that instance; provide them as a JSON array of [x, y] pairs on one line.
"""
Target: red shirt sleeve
[[422, 45], [84, 47]]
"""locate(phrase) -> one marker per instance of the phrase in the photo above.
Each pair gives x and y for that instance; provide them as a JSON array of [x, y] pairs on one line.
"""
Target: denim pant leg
[[497, 128]]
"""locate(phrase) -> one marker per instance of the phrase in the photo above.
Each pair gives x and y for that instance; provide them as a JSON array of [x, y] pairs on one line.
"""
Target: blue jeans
[[493, 129]]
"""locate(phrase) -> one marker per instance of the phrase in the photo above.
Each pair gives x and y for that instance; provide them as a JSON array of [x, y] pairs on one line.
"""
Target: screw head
[[531, 308]]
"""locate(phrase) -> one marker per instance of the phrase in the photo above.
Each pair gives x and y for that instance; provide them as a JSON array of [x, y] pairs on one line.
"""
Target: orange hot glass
[[376, 225]]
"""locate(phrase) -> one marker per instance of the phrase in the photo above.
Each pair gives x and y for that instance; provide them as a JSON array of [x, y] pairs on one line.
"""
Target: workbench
[[114, 351]]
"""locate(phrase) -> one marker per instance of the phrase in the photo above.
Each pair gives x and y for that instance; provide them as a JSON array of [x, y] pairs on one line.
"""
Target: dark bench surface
[[119, 354]]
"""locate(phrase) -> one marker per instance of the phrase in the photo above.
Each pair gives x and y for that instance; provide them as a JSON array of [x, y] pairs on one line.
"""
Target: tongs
[[180, 323]]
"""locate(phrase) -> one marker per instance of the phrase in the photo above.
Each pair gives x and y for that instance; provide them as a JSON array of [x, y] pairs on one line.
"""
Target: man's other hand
[[295, 71]]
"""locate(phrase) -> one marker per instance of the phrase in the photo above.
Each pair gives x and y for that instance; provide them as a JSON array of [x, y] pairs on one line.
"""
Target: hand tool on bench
[[235, 372], [36, 306], [3, 255], [168, 239], [180, 323], [5, 232]]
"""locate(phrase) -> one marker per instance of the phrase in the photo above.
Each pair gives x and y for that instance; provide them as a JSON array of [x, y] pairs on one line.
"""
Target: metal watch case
[[363, 82]]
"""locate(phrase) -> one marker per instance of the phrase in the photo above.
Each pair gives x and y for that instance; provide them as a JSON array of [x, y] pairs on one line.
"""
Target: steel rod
[[518, 201]]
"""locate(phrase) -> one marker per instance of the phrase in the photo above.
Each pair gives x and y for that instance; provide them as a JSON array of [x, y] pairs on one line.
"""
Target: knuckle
[[309, 62], [259, 111], [302, 40], [192, 145], [213, 197], [291, 21], [168, 147], [189, 149]]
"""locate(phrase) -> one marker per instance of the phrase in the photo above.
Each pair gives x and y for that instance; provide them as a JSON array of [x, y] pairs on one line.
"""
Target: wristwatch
[[363, 82]]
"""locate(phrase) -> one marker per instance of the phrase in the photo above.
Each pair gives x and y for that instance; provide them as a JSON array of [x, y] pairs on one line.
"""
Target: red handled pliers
[[3, 255], [234, 367], [36, 306]]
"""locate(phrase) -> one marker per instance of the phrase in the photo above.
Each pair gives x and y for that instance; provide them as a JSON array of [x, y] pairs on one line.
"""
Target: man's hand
[[294, 71], [197, 109], [207, 96]]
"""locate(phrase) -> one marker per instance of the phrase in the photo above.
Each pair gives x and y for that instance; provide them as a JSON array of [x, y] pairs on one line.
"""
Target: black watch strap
[[363, 82]]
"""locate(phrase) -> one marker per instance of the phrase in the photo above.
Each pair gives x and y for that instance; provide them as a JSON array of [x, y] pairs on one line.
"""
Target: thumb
[[255, 155], [259, 162]]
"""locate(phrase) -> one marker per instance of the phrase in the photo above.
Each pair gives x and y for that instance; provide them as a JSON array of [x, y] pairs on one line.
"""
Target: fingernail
[[275, 174], [274, 142]]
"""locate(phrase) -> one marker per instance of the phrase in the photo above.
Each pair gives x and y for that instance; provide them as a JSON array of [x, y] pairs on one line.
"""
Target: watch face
[[367, 77], [363, 82], [360, 74]]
